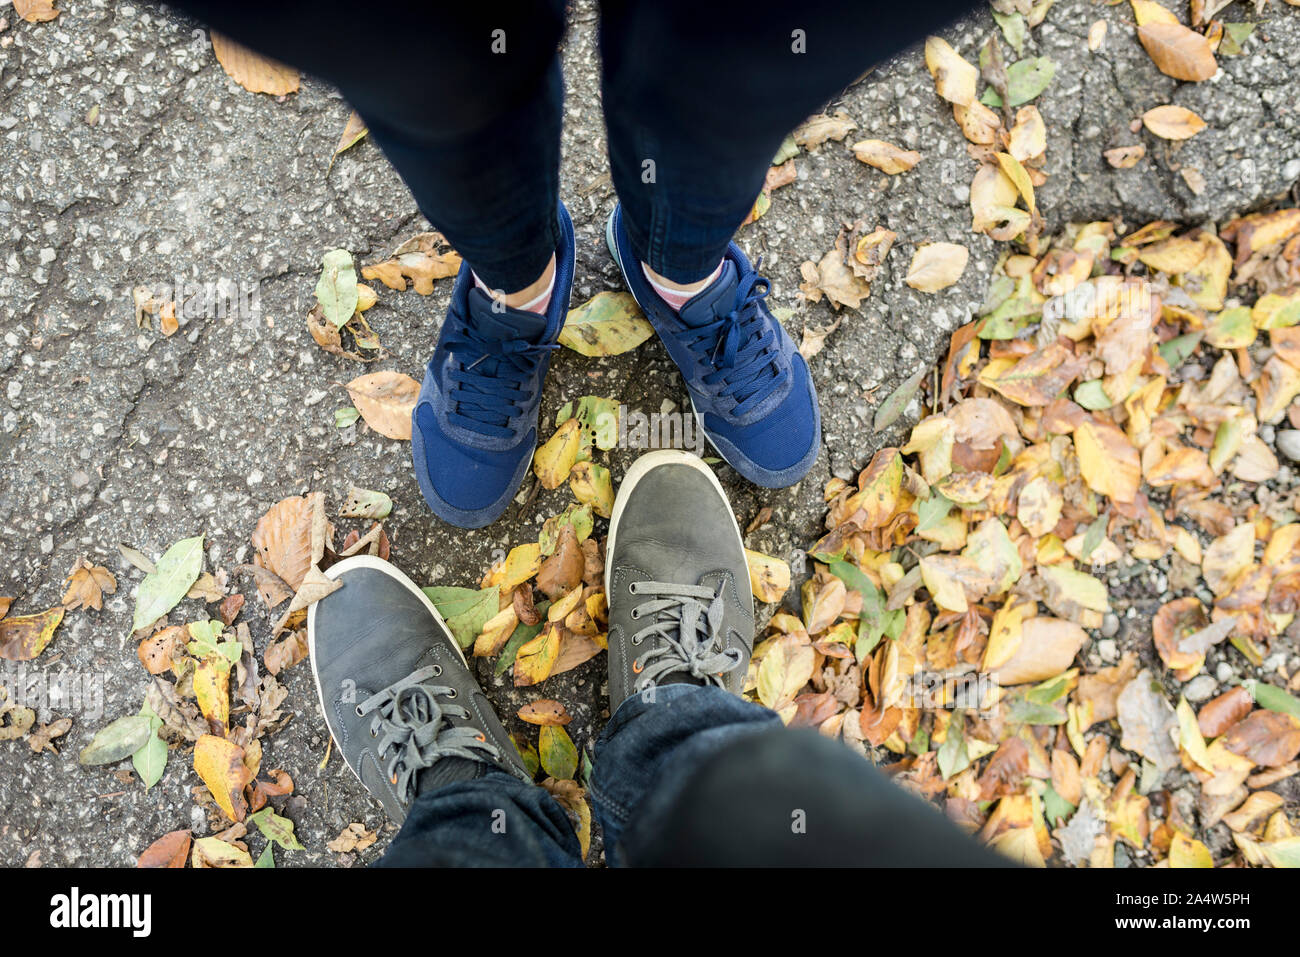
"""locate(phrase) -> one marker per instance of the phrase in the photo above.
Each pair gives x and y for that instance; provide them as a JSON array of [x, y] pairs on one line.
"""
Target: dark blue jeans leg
[[464, 99], [493, 821], [698, 97], [700, 777]]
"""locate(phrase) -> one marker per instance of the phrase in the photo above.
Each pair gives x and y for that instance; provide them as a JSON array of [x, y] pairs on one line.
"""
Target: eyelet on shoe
[[480, 738], [631, 588], [451, 693], [636, 614], [637, 667], [393, 779], [636, 640], [437, 670], [358, 711]]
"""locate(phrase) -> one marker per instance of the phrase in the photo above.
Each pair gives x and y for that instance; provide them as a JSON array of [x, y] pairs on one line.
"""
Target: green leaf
[[521, 636], [364, 503], [598, 418], [177, 570], [1176, 350], [276, 828], [558, 755], [1092, 538], [1235, 36], [336, 290], [1092, 396], [346, 416], [1014, 29], [207, 641], [893, 407], [579, 516], [1272, 697], [931, 511], [953, 757], [465, 610], [121, 739], [151, 759], [1021, 709], [1056, 808], [527, 753], [266, 858], [789, 150], [1026, 79]]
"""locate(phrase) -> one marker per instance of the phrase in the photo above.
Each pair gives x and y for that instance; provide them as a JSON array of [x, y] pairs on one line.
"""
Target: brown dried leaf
[[253, 72]]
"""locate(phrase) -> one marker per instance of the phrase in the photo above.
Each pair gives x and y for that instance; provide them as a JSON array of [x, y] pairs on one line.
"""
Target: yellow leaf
[[1005, 633], [1186, 852], [1108, 462], [496, 632], [536, 658], [954, 77], [214, 852], [24, 637], [220, 765], [523, 562], [946, 591], [591, 485], [1190, 738], [555, 459], [1020, 177], [212, 690], [769, 577], [608, 324], [1148, 11]]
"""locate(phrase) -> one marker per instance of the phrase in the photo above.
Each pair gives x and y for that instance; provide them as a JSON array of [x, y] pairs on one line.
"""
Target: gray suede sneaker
[[680, 605], [397, 694]]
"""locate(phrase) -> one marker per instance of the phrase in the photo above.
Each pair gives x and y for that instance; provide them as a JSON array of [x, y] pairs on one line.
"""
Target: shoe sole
[[639, 470], [747, 471], [392, 571]]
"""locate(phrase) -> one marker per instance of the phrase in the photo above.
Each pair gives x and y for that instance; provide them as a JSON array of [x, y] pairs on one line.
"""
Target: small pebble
[[1288, 443], [1223, 671], [1110, 625], [1200, 688], [1108, 649]]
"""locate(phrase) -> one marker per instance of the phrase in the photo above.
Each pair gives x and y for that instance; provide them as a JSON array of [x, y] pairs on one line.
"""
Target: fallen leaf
[[160, 591], [608, 324], [885, 157], [937, 266], [386, 400], [422, 259], [1125, 157], [363, 503], [954, 77], [769, 578], [253, 72], [816, 130], [36, 11], [220, 765], [1172, 122], [1047, 647], [87, 585], [352, 838], [1148, 722], [23, 637], [1178, 51], [544, 711], [170, 850]]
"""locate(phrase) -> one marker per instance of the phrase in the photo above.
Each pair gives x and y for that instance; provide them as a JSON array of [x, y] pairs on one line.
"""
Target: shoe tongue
[[713, 301], [501, 323]]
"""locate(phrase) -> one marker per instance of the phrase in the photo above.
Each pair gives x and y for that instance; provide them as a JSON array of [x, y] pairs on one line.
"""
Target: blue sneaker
[[751, 390], [474, 428]]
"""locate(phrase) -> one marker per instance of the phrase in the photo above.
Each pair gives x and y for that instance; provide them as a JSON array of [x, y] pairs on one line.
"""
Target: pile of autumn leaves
[[1110, 387], [209, 691]]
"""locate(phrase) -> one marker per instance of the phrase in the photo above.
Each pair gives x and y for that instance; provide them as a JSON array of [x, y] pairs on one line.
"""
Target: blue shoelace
[[742, 347], [494, 379]]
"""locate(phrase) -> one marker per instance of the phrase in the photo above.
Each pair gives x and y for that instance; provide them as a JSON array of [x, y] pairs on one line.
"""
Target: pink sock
[[537, 305], [676, 298]]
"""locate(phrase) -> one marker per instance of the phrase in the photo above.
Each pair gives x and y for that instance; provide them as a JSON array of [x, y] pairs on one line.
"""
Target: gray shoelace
[[409, 721], [687, 621]]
